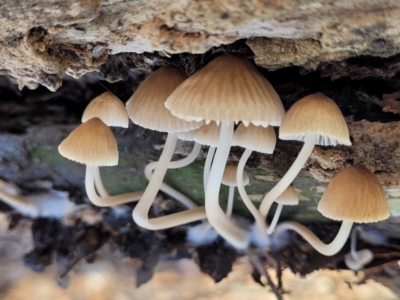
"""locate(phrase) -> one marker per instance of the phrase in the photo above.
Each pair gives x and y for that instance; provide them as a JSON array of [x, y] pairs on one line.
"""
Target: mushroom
[[314, 119], [353, 195], [253, 138], [229, 179], [146, 108], [93, 144], [356, 260], [229, 89], [108, 108], [288, 197]]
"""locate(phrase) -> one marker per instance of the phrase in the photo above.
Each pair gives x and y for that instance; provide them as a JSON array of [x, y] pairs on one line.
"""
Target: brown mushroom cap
[[315, 114], [91, 143], [255, 138], [146, 106], [288, 197], [354, 194], [229, 88], [109, 109], [229, 177]]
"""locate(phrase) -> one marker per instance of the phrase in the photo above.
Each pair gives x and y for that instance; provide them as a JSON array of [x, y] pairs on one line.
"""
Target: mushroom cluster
[[204, 108]]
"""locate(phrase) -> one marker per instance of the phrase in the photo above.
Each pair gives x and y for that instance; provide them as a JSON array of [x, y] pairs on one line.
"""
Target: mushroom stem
[[259, 218], [275, 220], [326, 249], [148, 171], [287, 179], [217, 218], [106, 201], [207, 166], [141, 211], [229, 206], [353, 244], [98, 183], [19, 203]]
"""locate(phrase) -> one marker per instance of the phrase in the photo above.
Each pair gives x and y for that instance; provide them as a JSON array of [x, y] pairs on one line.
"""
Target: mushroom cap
[[354, 194], [146, 106], [91, 143], [229, 88], [208, 134], [229, 177], [288, 197], [187, 135], [315, 114], [255, 138], [109, 109], [365, 256]]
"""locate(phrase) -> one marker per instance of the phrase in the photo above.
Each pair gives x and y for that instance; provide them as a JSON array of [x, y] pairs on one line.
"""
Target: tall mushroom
[[146, 108], [356, 260], [229, 89], [253, 138], [353, 195], [316, 120], [92, 143]]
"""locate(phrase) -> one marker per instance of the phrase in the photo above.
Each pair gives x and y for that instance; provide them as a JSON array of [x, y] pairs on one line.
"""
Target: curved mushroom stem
[[260, 219], [217, 218], [148, 171], [287, 179], [229, 206], [98, 183], [275, 220], [207, 166], [353, 244], [141, 211], [326, 249], [106, 201], [19, 203]]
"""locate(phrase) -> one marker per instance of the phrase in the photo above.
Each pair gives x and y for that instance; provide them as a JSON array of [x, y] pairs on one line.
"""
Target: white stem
[[353, 244], [19, 203], [207, 166], [141, 211], [259, 218], [148, 172], [217, 218], [229, 206], [326, 249], [106, 201], [98, 183], [290, 175], [275, 220]]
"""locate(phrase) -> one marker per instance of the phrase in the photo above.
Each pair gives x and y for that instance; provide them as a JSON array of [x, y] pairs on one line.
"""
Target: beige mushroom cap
[[109, 109], [146, 106], [91, 143], [208, 134], [288, 197], [354, 194], [315, 114], [255, 138], [229, 88], [229, 177]]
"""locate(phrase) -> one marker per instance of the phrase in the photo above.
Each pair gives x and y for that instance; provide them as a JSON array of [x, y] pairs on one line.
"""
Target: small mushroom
[[93, 144], [353, 195], [316, 120], [229, 179], [253, 138], [288, 197]]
